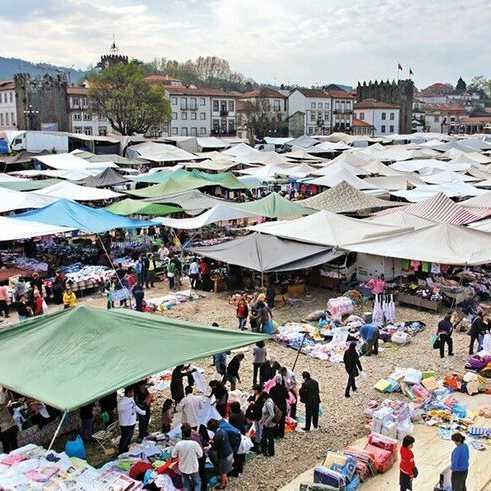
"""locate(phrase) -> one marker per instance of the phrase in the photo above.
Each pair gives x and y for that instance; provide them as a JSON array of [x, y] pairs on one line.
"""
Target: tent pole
[[58, 429], [262, 279], [299, 350], [112, 265]]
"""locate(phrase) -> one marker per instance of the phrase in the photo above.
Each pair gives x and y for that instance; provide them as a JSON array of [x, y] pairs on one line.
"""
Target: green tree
[[121, 94], [461, 86], [260, 121], [482, 86]]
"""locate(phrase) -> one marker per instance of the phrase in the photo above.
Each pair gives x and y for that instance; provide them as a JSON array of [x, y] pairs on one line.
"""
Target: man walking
[[127, 410], [444, 332], [188, 453], [309, 395]]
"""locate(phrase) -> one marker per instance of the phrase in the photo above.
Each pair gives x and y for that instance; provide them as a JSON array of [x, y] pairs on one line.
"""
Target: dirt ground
[[342, 420]]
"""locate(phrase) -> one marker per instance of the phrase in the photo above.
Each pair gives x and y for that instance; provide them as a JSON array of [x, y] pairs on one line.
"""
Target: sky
[[272, 41]]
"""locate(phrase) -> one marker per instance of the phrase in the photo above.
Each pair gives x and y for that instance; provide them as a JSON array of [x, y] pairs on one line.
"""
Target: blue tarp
[[86, 219]]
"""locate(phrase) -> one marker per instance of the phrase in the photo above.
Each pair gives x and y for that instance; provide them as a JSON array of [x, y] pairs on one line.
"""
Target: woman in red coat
[[408, 470]]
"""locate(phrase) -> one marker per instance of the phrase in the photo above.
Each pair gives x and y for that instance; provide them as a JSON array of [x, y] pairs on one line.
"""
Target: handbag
[[435, 342], [415, 472]]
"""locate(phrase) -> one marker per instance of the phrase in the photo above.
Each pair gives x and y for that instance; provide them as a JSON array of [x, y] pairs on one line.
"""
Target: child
[[167, 415], [242, 313]]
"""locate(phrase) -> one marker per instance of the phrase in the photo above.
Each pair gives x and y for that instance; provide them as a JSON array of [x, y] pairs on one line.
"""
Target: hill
[[10, 66]]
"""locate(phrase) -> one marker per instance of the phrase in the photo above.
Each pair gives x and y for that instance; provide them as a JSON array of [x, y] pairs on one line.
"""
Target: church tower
[[114, 57]]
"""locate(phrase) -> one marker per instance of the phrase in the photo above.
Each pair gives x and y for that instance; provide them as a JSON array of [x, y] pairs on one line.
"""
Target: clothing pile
[[33, 467], [25, 263], [171, 300], [391, 418], [339, 306], [82, 277]]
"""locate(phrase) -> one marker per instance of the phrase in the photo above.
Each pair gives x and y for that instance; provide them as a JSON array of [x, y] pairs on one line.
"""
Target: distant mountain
[[10, 66]]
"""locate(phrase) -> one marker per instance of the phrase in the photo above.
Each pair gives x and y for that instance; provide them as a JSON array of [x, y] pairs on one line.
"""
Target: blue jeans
[[242, 323], [190, 480]]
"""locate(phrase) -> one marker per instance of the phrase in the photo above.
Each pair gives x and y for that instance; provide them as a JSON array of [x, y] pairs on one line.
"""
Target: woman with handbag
[[407, 467]]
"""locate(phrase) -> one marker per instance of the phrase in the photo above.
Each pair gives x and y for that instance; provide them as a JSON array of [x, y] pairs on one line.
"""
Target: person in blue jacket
[[370, 334], [459, 462]]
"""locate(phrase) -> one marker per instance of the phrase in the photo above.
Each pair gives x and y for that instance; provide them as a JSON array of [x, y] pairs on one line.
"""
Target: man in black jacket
[[476, 332], [309, 395]]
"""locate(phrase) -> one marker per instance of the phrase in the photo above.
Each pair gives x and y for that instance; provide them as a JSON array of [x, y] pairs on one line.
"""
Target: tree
[[121, 94], [482, 86], [461, 86], [261, 122]]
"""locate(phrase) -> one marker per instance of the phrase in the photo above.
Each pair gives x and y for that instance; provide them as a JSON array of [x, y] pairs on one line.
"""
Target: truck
[[39, 141]]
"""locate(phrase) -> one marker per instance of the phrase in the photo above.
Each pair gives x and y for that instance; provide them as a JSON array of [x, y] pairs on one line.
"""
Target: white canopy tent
[[74, 192], [14, 229], [395, 183], [481, 201], [337, 176], [16, 200], [340, 165], [417, 165], [8, 178], [326, 228], [453, 190], [219, 213], [446, 177], [159, 152], [69, 161]]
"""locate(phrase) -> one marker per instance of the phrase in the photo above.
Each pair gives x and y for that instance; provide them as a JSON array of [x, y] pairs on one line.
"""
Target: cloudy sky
[[293, 41]]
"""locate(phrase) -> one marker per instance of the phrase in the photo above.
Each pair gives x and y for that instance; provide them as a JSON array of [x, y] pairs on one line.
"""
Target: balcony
[[343, 111], [223, 133], [223, 113]]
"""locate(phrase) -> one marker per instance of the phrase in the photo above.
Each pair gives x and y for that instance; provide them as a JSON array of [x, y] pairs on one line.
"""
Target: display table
[[417, 301]]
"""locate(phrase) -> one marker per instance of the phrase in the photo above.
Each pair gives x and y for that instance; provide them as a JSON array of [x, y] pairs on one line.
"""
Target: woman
[[352, 366], [242, 313], [408, 470], [219, 391], [58, 288], [143, 400], [268, 425], [69, 299], [23, 309], [459, 462], [8, 427], [254, 415], [279, 393], [167, 416], [37, 303], [176, 383]]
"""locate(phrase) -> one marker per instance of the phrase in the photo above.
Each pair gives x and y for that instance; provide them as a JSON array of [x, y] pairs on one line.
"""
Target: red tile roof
[[200, 91], [7, 85], [475, 120], [448, 108], [360, 124], [340, 94], [373, 104], [265, 92], [77, 90], [313, 93]]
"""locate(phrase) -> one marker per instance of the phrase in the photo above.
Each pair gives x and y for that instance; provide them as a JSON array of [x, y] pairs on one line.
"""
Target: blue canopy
[[90, 220]]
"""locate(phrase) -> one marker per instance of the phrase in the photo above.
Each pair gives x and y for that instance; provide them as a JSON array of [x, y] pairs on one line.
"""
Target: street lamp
[[30, 113]]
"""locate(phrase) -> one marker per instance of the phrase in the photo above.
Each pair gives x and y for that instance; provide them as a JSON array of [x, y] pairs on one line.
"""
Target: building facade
[[400, 93], [361, 128], [342, 110], [201, 112], [8, 106], [264, 104], [382, 116], [80, 116]]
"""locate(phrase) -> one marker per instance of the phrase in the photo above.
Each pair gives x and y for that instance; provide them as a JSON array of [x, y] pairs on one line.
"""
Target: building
[[361, 128], [443, 93], [41, 102], [8, 109], [384, 117], [400, 93], [80, 116], [471, 125], [443, 118], [313, 108], [262, 107], [165, 80], [201, 111], [342, 110]]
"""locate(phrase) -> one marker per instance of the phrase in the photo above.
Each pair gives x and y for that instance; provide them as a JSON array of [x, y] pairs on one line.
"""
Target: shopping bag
[[435, 342]]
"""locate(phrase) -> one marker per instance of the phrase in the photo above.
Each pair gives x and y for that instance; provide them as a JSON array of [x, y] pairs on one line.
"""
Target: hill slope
[[10, 66]]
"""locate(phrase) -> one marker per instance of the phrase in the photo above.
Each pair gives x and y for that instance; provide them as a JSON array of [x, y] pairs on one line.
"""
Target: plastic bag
[[45, 307]]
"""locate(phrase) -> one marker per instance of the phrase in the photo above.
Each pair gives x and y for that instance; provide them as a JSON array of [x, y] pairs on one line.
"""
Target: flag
[[399, 66], [410, 71]]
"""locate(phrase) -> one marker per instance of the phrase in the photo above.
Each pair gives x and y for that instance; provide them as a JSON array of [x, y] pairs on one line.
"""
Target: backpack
[[278, 414]]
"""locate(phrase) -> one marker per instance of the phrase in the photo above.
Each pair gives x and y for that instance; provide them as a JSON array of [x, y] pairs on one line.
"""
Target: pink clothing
[[377, 286], [4, 294]]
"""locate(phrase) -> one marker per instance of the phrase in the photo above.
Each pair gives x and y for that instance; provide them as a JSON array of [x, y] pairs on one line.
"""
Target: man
[[309, 395], [370, 334], [4, 300], [222, 455], [190, 407], [188, 453], [232, 373], [171, 273], [127, 410], [476, 332], [178, 272], [139, 295], [444, 332], [150, 267], [259, 355], [194, 273]]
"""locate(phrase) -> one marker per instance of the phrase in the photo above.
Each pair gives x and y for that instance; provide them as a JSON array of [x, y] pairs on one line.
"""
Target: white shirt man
[[194, 268], [127, 410], [191, 406], [188, 452]]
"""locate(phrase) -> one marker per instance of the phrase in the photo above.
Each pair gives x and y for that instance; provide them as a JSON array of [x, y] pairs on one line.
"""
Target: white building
[[384, 117], [80, 117], [8, 109], [342, 110], [201, 112], [315, 107]]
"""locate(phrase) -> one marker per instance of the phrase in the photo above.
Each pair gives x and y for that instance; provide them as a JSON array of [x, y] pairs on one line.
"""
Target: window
[[102, 130], [319, 116], [12, 119], [184, 132], [194, 115], [174, 116], [11, 97], [391, 128], [216, 106], [194, 131], [223, 106], [216, 125], [231, 126], [202, 116], [392, 116], [384, 116], [312, 105], [77, 117], [320, 105], [382, 129], [87, 117], [193, 103], [184, 103], [77, 129], [311, 130], [362, 116], [7, 119], [202, 101], [202, 131], [437, 119], [173, 100], [87, 130], [174, 130], [184, 115], [312, 116], [276, 105], [76, 102], [231, 106]]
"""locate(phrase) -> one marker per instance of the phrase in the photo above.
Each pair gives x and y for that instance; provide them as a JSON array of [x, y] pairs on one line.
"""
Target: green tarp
[[29, 184], [274, 206], [162, 176], [170, 186], [224, 179], [76, 356], [137, 207]]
